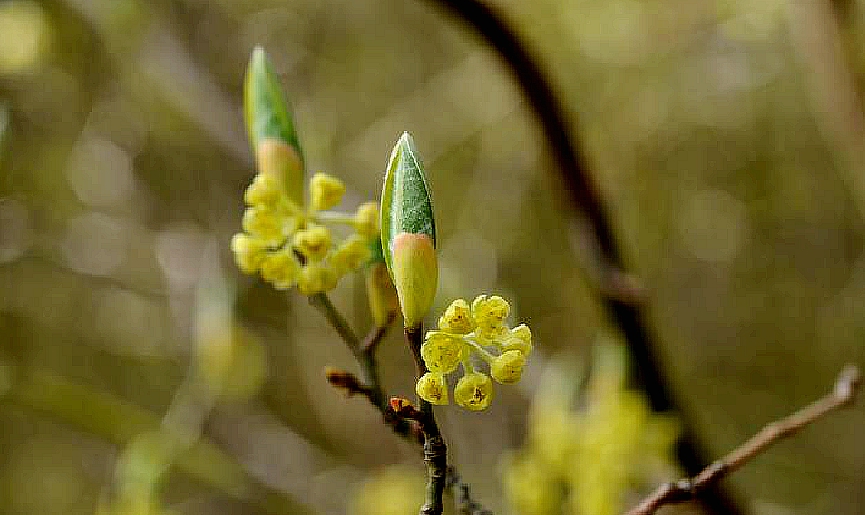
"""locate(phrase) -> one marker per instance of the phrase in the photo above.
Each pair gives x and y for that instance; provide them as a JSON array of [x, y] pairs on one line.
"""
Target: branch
[[394, 415], [434, 448], [841, 396], [603, 260]]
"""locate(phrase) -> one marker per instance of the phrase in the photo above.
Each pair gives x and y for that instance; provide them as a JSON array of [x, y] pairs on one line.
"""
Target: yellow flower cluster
[[289, 244], [585, 462], [465, 331]]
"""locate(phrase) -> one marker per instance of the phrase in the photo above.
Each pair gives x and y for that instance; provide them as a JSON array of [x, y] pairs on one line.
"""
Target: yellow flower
[[457, 318], [313, 243], [366, 220], [490, 314], [474, 391], [350, 255], [262, 223], [381, 293], [442, 352], [249, 252], [280, 269], [432, 387], [325, 190], [519, 338], [315, 278], [508, 368], [265, 190]]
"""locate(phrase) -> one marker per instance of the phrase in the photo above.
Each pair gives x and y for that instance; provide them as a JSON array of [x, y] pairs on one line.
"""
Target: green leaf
[[266, 109], [406, 206]]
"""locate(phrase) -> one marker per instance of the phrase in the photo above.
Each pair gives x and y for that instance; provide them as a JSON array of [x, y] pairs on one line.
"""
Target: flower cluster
[[586, 461], [477, 331], [292, 244]]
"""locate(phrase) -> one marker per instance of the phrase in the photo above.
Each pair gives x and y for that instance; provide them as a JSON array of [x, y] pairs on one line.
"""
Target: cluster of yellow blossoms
[[290, 244], [478, 330], [588, 461]]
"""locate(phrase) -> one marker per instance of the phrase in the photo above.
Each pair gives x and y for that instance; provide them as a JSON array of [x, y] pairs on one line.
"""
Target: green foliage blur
[[141, 372]]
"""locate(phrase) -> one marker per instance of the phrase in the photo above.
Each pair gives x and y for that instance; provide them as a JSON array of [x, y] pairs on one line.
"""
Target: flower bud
[[248, 252], [280, 269], [315, 278], [312, 243], [325, 191], [350, 255], [366, 220], [381, 294]]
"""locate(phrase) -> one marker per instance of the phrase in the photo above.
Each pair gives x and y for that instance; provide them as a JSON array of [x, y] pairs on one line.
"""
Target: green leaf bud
[[270, 127], [408, 231]]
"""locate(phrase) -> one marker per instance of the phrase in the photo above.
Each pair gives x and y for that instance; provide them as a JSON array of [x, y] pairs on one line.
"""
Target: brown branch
[[412, 424], [434, 448], [841, 396]]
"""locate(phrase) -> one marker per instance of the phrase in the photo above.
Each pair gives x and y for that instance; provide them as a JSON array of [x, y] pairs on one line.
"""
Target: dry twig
[[683, 490]]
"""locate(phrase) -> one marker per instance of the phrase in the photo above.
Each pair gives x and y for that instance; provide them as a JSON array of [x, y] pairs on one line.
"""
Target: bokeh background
[[726, 138]]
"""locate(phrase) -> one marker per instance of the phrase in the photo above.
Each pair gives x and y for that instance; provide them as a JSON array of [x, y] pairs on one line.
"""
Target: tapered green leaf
[[266, 109], [406, 206]]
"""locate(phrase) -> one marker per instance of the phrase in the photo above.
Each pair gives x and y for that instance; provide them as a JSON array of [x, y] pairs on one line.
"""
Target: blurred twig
[[842, 395], [606, 258]]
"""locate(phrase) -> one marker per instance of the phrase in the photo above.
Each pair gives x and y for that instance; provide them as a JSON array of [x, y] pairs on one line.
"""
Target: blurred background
[[726, 138]]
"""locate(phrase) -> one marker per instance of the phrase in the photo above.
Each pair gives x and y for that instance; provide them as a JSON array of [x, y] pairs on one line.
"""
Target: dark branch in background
[[574, 170], [841, 396]]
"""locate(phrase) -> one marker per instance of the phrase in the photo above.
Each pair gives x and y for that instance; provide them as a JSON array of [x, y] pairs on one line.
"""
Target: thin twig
[[434, 448], [841, 396], [371, 388]]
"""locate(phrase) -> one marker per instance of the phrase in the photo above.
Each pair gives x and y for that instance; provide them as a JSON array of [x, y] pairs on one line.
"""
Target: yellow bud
[[442, 352], [282, 162], [457, 318], [508, 368], [432, 387], [315, 278], [366, 220], [280, 269], [383, 302], [325, 191], [474, 391], [490, 314], [350, 255], [519, 338], [415, 275], [248, 252], [313, 243], [264, 224], [265, 190]]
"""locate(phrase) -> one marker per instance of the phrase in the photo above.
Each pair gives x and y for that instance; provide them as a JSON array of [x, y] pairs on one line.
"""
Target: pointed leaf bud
[[408, 231], [270, 127]]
